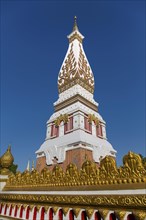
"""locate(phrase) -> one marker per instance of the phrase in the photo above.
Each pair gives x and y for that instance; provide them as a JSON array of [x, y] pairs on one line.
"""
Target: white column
[[93, 129], [103, 131], [75, 121], [48, 132], [81, 121], [61, 129]]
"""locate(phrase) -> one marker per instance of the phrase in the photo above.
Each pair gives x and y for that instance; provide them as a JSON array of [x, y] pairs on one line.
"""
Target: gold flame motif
[[74, 72]]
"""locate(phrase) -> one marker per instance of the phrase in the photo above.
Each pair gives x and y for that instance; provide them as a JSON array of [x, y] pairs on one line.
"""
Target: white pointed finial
[[32, 168], [28, 166]]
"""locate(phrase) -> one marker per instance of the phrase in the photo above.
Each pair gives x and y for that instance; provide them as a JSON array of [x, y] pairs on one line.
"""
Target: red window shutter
[[86, 123], [69, 125], [54, 131], [57, 131], [101, 130], [65, 128], [71, 122], [88, 126], [51, 130]]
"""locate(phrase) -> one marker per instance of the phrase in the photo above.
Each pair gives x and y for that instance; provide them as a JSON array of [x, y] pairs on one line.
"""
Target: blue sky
[[33, 46]]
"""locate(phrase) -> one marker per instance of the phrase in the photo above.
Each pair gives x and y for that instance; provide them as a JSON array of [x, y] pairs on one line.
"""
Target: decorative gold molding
[[115, 201], [74, 99]]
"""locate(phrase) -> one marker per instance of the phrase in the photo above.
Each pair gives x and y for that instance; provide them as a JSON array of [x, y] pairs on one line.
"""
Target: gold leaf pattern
[[74, 72]]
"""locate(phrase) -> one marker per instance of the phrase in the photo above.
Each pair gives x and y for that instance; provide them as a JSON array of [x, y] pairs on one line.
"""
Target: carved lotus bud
[[7, 158]]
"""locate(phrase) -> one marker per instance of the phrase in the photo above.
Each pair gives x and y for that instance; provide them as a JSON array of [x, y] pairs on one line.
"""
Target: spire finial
[[75, 27], [28, 166]]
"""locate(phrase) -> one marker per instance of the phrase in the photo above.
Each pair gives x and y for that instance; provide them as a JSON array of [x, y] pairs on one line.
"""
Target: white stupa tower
[[76, 130]]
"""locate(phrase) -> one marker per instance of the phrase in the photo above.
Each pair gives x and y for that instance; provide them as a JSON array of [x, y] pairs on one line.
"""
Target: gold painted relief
[[108, 174], [74, 72]]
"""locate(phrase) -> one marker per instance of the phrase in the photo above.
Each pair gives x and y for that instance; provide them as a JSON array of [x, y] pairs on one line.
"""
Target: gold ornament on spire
[[75, 68], [75, 27]]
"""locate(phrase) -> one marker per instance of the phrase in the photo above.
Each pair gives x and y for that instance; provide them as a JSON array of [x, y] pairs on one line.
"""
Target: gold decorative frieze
[[137, 201], [107, 175], [61, 118]]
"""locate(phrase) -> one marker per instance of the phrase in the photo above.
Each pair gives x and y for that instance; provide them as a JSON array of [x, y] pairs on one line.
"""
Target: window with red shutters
[[99, 131], [87, 125], [54, 131], [69, 125]]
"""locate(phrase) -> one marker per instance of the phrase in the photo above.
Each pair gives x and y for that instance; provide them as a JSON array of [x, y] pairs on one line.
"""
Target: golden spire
[[75, 27]]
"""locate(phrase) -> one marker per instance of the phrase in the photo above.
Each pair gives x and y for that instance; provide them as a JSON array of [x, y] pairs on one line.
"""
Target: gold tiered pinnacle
[[75, 68], [75, 27]]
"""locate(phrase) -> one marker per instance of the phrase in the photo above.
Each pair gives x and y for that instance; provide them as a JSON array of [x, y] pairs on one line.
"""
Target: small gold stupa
[[6, 161]]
